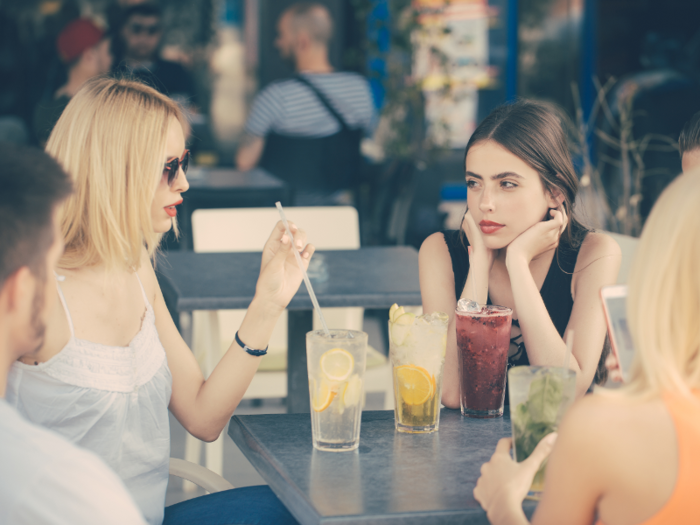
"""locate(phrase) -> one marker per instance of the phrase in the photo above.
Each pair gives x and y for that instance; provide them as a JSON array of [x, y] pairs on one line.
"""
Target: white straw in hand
[[303, 271]]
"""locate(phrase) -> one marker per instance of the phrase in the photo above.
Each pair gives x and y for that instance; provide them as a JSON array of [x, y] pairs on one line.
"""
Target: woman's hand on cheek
[[475, 238], [280, 275], [539, 238]]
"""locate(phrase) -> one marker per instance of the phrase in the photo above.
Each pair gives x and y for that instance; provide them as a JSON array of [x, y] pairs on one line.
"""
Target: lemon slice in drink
[[416, 385], [337, 364], [398, 312], [323, 397], [353, 391], [401, 327], [392, 311]]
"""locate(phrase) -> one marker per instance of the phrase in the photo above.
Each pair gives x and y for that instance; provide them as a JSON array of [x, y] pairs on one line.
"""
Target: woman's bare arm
[[597, 266], [204, 407], [437, 290]]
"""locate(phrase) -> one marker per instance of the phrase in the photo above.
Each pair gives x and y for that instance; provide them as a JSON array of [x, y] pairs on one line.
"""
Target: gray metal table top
[[374, 277], [218, 179], [393, 478]]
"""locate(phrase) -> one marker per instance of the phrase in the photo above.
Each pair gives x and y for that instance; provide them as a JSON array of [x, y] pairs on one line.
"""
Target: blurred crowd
[[301, 128]]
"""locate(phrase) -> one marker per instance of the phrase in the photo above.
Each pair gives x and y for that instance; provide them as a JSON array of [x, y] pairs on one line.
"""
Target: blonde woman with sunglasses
[[113, 362], [630, 456]]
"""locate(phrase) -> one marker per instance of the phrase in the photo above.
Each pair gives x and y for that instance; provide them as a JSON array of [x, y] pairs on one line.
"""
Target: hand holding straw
[[303, 271]]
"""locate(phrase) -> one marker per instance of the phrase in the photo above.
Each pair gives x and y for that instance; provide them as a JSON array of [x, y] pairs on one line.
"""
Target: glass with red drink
[[483, 339]]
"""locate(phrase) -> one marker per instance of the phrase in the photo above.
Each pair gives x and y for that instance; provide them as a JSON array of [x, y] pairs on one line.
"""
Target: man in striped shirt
[[290, 126]]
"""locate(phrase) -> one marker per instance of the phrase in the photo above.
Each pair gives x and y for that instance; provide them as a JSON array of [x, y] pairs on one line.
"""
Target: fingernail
[[306, 255], [550, 439]]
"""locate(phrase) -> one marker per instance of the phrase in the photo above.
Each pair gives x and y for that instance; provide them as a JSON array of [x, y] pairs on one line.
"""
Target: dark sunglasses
[[150, 30], [171, 169]]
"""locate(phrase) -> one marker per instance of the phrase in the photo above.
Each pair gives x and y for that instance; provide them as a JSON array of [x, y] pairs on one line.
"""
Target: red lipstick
[[170, 210], [489, 227]]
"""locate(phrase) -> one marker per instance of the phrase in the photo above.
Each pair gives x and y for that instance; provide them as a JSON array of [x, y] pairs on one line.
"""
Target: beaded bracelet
[[248, 349]]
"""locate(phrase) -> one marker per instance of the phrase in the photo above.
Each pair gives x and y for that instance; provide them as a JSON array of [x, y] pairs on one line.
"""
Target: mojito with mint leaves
[[539, 397]]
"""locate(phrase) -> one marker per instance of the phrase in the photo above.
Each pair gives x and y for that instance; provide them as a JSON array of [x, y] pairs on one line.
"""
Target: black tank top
[[555, 292]]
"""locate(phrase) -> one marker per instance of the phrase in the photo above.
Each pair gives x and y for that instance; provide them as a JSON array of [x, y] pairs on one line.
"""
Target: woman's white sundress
[[112, 400]]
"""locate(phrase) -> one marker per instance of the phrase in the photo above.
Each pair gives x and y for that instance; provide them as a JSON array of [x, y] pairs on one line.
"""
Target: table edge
[[253, 451]]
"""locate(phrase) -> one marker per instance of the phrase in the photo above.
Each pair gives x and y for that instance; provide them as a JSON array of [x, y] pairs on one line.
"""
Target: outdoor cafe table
[[228, 188], [412, 479], [374, 277]]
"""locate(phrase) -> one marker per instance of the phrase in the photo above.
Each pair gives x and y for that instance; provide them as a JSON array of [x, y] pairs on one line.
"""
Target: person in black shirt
[[530, 252], [85, 49], [141, 34]]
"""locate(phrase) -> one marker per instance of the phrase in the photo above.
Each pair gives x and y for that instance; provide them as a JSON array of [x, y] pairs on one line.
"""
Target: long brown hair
[[533, 132]]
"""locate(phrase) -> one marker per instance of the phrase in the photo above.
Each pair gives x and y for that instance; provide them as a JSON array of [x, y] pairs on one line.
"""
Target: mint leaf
[[544, 398]]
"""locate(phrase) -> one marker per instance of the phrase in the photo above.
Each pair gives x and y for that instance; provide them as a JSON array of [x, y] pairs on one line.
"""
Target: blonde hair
[[110, 139], [663, 304]]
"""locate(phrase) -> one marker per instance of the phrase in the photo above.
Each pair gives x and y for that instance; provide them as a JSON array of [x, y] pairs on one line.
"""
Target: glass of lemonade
[[417, 353], [336, 366], [539, 397]]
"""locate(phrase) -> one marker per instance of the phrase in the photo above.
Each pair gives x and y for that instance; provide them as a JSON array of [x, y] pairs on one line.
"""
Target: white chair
[[247, 230], [198, 475]]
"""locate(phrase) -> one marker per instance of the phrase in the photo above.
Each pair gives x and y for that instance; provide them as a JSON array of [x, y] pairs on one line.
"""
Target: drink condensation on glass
[[539, 397], [417, 353], [336, 367], [483, 339]]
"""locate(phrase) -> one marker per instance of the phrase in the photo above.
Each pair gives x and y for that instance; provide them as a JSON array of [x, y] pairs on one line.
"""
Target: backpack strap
[[322, 98]]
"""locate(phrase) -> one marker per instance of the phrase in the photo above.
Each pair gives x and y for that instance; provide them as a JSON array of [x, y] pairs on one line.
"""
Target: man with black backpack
[[307, 129]]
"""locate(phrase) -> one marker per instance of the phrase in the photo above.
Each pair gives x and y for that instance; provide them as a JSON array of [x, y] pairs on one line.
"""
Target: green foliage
[[404, 103], [537, 417]]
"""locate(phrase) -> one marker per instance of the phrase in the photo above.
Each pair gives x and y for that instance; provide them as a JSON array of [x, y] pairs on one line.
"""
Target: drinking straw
[[569, 347], [303, 272]]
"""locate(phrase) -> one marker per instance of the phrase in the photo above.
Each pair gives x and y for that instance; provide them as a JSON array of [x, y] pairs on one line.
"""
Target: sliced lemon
[[397, 313], [353, 391], [401, 327], [406, 318], [416, 385], [399, 333], [323, 397], [392, 310], [337, 364]]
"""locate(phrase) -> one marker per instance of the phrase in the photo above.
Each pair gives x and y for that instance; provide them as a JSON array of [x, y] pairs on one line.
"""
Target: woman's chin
[[496, 244], [163, 225]]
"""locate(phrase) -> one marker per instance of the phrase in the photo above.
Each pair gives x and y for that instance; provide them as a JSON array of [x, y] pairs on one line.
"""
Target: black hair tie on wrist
[[248, 349]]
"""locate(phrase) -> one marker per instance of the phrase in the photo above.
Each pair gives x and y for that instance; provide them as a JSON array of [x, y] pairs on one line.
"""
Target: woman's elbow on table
[[450, 396]]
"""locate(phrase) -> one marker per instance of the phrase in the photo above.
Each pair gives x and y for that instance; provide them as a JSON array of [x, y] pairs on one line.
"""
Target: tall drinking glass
[[417, 353], [483, 338], [336, 367], [539, 396]]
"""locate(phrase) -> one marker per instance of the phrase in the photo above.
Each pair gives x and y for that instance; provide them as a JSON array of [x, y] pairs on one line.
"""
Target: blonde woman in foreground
[[113, 362], [631, 456]]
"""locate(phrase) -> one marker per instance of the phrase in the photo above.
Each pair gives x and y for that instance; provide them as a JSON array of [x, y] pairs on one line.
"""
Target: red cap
[[77, 37]]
